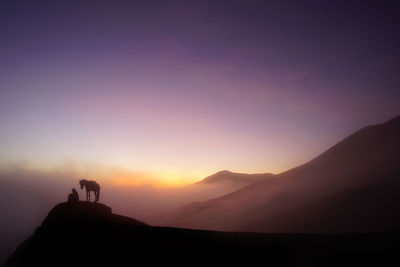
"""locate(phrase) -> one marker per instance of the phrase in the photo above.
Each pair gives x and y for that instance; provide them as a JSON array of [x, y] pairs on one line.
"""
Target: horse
[[90, 186]]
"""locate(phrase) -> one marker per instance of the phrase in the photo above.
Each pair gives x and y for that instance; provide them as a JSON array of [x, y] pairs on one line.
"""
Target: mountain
[[88, 234], [362, 209], [33, 193], [83, 213], [241, 179], [216, 185], [369, 157]]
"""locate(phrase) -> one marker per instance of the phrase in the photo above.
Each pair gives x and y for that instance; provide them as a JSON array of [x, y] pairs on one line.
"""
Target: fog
[[27, 195]]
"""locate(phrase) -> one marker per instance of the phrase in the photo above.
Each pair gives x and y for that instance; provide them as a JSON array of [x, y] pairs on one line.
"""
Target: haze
[[178, 91], [148, 98]]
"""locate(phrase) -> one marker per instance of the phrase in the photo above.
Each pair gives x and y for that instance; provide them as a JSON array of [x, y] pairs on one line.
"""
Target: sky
[[168, 92]]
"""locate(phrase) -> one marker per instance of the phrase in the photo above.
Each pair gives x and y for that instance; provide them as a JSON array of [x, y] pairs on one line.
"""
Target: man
[[73, 197]]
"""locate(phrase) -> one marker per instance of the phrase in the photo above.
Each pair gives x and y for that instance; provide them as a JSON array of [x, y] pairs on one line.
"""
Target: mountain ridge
[[228, 176], [82, 234], [369, 156]]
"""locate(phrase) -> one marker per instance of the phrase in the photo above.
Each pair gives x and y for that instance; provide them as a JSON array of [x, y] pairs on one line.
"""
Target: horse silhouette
[[91, 186]]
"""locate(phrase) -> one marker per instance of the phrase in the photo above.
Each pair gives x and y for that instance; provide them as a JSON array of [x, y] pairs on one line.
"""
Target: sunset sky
[[173, 91]]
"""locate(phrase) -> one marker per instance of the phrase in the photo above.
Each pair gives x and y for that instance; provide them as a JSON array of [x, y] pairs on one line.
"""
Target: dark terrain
[[81, 233]]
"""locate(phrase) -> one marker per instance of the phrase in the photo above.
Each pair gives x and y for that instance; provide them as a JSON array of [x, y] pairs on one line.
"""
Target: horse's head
[[82, 183]]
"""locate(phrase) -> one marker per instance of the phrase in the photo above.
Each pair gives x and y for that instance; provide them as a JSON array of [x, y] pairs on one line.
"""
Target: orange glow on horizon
[[165, 182]]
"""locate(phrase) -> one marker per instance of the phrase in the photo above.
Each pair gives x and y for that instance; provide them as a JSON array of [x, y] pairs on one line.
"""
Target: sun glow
[[163, 182]]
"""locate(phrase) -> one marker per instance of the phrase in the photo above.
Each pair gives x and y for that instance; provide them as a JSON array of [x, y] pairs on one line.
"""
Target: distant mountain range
[[241, 179], [354, 186]]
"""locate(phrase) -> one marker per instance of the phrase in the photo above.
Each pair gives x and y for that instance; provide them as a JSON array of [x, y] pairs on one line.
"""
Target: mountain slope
[[236, 178], [83, 234], [363, 209], [81, 212], [368, 157]]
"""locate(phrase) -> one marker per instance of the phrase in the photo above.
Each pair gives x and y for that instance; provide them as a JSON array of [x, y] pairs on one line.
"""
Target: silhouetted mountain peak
[[224, 172], [228, 176], [82, 213]]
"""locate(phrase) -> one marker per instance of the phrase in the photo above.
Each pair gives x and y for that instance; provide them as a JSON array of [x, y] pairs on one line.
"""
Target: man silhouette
[[73, 197]]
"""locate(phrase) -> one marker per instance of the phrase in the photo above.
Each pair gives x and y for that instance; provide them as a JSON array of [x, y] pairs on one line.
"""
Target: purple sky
[[179, 90]]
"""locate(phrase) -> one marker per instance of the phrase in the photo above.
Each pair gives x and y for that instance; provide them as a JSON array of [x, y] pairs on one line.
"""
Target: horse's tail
[[97, 195]]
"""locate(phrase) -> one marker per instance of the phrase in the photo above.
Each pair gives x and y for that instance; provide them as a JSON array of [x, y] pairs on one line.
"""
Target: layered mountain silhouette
[[241, 179], [354, 186], [88, 234], [348, 195], [215, 185]]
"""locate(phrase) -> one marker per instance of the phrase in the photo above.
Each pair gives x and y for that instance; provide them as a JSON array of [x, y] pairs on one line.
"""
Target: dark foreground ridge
[[83, 214], [83, 234]]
